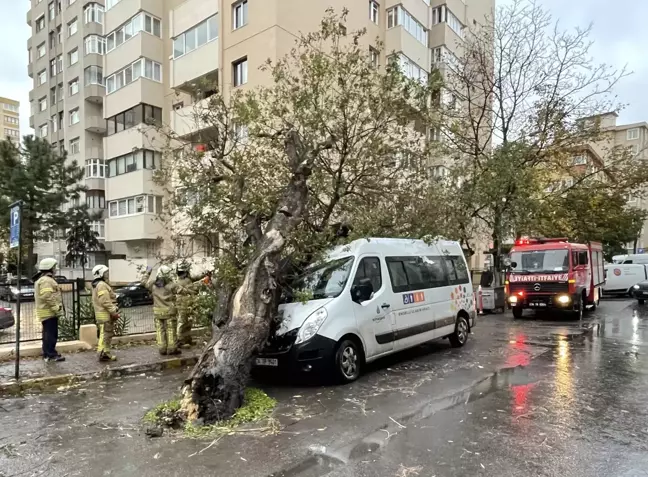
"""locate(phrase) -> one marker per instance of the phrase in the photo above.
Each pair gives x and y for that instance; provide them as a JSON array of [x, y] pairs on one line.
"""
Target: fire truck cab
[[554, 274]]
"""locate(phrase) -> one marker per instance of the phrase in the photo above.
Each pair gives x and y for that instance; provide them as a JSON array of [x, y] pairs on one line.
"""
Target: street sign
[[14, 230]]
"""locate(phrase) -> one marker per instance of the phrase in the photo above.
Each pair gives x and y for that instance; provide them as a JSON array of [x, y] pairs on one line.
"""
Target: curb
[[50, 383]]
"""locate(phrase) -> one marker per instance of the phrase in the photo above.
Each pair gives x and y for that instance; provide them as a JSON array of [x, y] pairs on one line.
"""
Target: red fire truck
[[554, 274]]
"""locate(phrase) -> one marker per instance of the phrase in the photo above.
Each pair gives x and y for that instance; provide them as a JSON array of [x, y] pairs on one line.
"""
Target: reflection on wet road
[[537, 396]]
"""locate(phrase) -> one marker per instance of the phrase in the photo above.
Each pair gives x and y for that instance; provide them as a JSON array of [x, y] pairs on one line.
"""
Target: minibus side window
[[438, 275], [397, 275], [457, 271], [369, 267]]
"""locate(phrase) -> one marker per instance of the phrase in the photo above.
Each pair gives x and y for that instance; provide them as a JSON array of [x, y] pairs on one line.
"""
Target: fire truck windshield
[[536, 261]]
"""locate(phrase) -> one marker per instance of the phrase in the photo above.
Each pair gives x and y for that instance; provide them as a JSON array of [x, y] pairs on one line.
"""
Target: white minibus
[[368, 299]]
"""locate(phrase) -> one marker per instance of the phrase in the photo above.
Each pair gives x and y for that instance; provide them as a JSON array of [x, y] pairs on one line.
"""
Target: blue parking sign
[[14, 230]]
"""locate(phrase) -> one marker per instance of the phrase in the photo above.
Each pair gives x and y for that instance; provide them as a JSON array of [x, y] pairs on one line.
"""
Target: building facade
[[10, 119], [137, 61]]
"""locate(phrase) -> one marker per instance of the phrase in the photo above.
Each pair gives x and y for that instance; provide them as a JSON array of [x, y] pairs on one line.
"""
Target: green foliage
[[257, 406], [199, 307], [120, 327], [166, 414], [67, 329], [44, 180], [352, 120], [81, 239]]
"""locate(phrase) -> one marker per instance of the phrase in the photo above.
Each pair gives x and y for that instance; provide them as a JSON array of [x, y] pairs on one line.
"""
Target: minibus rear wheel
[[460, 335]]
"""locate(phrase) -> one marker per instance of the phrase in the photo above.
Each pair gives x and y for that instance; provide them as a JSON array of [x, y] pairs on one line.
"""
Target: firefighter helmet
[[99, 271], [47, 264]]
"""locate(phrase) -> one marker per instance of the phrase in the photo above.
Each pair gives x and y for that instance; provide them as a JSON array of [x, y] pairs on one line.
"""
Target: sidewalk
[[35, 373]]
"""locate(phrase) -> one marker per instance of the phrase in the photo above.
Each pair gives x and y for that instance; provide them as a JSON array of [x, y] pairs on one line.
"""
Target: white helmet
[[164, 271], [99, 271], [47, 264]]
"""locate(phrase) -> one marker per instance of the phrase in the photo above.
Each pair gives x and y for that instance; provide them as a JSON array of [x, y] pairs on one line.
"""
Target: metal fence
[[77, 304]]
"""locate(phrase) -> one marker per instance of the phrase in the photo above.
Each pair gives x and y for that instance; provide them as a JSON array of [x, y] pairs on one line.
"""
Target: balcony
[[130, 184], [126, 271], [399, 40], [187, 120], [30, 70], [134, 227], [95, 123], [31, 121], [124, 10], [29, 17], [95, 183], [417, 8], [94, 93], [195, 65], [138, 137], [142, 90]]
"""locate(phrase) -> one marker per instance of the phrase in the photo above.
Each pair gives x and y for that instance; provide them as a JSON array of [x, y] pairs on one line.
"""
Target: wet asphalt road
[[540, 396]]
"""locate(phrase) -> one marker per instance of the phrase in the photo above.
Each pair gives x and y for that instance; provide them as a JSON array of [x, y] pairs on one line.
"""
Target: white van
[[633, 258], [620, 278], [371, 298]]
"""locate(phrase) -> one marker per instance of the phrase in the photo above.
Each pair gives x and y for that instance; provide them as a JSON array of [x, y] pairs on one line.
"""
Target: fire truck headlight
[[564, 299], [636, 287], [513, 299]]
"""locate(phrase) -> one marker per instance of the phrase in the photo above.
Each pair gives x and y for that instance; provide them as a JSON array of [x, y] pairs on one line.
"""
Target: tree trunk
[[214, 389]]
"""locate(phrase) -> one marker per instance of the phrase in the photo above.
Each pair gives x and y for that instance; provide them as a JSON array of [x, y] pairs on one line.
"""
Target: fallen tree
[[284, 171]]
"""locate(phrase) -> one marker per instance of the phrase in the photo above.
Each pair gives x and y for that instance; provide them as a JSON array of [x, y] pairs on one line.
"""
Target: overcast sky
[[619, 33]]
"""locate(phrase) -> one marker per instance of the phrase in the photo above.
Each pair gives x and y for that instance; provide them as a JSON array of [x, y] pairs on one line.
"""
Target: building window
[[95, 200], [141, 204], [239, 14], [374, 57], [195, 37], [42, 103], [134, 161], [72, 27], [52, 67], [74, 116], [579, 160], [111, 3], [74, 86], [75, 146], [52, 11], [42, 77], [634, 149], [10, 107], [99, 228], [374, 10], [11, 132], [60, 92], [143, 67], [399, 16], [95, 168], [411, 69], [239, 72], [632, 134], [140, 22], [59, 63], [142, 113], [42, 50], [11, 120], [94, 75], [93, 13], [95, 44], [40, 23], [43, 130], [73, 57], [55, 124], [443, 14]]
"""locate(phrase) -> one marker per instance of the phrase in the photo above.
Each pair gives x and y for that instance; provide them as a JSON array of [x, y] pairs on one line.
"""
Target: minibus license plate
[[538, 304], [267, 362]]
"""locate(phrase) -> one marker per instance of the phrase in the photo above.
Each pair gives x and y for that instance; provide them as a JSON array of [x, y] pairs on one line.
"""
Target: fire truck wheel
[[517, 312], [578, 312]]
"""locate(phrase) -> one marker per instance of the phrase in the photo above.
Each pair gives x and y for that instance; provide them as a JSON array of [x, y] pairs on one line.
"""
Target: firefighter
[[49, 307], [185, 289], [163, 290], [104, 302]]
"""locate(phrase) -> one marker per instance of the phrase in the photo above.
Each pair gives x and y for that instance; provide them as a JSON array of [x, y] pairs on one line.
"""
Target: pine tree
[[81, 239]]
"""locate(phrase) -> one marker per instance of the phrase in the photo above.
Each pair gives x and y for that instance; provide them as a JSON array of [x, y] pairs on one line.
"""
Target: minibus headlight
[[311, 326]]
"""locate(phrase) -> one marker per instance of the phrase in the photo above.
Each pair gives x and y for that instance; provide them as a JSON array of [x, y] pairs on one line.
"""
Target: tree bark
[[214, 390]]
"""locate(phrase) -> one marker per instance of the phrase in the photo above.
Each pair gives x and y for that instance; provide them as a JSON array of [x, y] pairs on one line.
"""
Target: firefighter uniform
[[184, 291], [104, 302], [163, 290], [49, 308]]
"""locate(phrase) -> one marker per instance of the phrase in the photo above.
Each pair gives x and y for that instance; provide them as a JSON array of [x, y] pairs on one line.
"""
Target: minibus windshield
[[326, 280]]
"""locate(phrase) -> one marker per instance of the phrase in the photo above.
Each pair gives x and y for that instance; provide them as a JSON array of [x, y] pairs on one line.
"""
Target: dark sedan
[[9, 291], [640, 292], [6, 318], [133, 294]]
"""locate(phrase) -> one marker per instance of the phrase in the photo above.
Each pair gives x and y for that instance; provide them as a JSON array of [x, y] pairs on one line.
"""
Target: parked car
[[9, 291], [62, 279], [133, 294], [6, 318]]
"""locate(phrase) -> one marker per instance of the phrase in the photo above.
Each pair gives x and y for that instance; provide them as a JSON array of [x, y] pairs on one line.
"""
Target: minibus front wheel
[[348, 361], [460, 335]]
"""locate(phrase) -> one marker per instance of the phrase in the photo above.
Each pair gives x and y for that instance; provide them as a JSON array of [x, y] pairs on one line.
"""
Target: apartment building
[[103, 72], [65, 54], [633, 137], [10, 119]]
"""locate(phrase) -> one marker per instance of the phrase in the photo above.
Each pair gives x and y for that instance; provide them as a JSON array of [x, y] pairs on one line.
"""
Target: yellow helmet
[[47, 264]]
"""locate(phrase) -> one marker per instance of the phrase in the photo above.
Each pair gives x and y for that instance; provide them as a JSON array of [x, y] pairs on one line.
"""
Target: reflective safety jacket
[[163, 293], [104, 301], [47, 295]]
